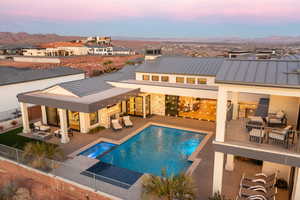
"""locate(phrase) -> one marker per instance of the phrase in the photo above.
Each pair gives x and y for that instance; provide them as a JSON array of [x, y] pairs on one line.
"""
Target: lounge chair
[[116, 125], [254, 122], [40, 127], [127, 121], [280, 136], [249, 183], [261, 178], [276, 119], [257, 134], [252, 198], [258, 192]]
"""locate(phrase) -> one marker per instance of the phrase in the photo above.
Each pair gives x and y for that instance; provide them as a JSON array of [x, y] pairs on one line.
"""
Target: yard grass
[[11, 138]]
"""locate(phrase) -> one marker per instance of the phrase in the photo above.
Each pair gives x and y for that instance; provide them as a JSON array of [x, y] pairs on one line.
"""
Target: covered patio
[[62, 113]]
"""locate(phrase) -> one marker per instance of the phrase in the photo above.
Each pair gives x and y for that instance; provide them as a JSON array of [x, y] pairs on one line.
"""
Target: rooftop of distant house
[[12, 75]]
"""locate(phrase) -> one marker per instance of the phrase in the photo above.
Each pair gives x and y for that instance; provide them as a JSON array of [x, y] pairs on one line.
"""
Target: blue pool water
[[155, 148], [97, 150]]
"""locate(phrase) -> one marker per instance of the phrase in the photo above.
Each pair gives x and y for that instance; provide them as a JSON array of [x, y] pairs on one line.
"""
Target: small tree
[[109, 62], [179, 187]]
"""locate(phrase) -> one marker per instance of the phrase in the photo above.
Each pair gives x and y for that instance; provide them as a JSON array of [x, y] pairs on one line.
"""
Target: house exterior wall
[[172, 78], [10, 91], [283, 171], [59, 91], [36, 59], [157, 103], [290, 105]]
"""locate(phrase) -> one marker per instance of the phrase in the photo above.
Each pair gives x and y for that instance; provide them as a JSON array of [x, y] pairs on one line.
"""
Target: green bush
[[108, 62], [96, 129]]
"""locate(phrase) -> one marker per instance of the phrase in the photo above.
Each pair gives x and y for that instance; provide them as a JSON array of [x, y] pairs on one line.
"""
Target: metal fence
[[61, 169]]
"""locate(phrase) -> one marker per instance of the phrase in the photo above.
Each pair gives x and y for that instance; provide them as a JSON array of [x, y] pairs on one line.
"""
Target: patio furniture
[[38, 126], [261, 178], [257, 134], [253, 198], [276, 119], [249, 183], [42, 135], [127, 121], [116, 125], [254, 122], [268, 194], [280, 136], [57, 133]]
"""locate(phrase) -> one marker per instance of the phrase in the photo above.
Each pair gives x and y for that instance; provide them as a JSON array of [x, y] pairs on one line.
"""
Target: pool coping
[[192, 157]]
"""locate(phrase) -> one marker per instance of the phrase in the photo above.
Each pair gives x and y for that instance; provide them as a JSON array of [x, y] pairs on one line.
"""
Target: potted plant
[[14, 123]]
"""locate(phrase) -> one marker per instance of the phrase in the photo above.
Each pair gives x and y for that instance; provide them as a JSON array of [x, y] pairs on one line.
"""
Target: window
[[146, 77], [165, 78], [191, 80], [93, 118], [179, 79], [202, 80], [155, 78]]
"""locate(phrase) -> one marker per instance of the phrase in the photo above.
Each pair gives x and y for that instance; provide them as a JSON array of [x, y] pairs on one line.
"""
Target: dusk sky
[[152, 18]]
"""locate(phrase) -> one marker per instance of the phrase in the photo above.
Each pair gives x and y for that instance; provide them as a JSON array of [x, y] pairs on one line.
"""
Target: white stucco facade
[[10, 91]]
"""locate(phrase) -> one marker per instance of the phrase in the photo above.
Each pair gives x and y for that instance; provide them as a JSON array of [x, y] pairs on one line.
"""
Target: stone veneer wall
[[158, 104]]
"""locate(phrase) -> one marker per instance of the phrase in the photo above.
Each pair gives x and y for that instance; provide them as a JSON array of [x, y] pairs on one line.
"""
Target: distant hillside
[[32, 39]]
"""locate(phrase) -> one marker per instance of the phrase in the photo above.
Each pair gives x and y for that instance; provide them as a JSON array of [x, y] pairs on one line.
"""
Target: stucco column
[[229, 166], [221, 114], [84, 122], [25, 117], [296, 189], [44, 114], [235, 103], [144, 106], [63, 125], [218, 172]]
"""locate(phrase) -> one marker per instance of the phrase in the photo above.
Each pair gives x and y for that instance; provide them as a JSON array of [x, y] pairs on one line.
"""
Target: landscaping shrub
[[108, 62], [14, 123]]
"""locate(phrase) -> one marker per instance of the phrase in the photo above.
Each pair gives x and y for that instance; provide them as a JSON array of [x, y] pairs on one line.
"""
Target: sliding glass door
[[52, 116], [73, 120]]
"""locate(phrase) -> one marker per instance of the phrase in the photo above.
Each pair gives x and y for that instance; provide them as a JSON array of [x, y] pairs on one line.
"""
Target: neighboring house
[[109, 50], [57, 51], [17, 80], [122, 51], [35, 52], [100, 50], [14, 49]]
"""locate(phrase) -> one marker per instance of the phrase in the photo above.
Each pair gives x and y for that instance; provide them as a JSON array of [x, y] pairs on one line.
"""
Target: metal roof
[[13, 75], [87, 104], [176, 85], [275, 73], [97, 84], [182, 65]]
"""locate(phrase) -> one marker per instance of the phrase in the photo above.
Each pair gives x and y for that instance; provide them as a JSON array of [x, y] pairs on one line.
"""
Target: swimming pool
[[155, 148], [97, 150]]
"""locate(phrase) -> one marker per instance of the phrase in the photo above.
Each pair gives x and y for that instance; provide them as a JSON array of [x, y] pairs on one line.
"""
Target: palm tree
[[38, 153], [179, 187]]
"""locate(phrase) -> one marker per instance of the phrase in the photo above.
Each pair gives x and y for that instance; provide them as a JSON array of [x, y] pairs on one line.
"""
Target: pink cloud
[[74, 10]]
